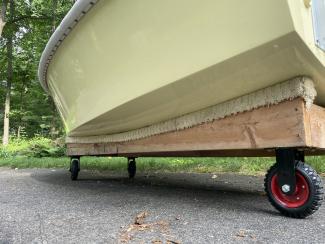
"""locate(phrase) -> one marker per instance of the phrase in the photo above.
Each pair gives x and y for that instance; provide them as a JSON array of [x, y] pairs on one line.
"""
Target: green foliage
[[25, 162], [248, 166], [317, 162], [37, 147], [30, 27]]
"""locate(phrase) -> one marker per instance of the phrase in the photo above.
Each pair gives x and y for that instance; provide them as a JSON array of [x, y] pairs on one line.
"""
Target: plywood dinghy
[[124, 70]]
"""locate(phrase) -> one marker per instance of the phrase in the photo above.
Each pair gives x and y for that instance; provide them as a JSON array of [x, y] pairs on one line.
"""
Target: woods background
[[26, 111], [30, 127]]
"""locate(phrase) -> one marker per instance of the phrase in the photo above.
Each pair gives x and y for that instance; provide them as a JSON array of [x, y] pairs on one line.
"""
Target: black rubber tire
[[74, 168], [132, 168], [316, 192]]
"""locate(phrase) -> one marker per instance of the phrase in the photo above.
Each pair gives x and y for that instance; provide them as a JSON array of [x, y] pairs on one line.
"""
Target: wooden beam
[[253, 133], [276, 126]]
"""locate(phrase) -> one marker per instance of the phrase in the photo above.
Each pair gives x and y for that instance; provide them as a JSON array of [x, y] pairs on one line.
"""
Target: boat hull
[[131, 64]]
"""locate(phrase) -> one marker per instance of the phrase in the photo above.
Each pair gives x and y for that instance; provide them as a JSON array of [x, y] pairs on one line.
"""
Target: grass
[[249, 166], [40, 152]]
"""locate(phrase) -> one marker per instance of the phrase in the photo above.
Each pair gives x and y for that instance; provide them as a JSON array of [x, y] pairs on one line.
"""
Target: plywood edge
[[314, 122], [259, 130]]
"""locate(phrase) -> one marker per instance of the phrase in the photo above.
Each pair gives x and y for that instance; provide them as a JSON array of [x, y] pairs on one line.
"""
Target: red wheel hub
[[298, 198]]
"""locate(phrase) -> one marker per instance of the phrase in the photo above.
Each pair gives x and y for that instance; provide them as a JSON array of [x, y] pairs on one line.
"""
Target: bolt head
[[285, 188]]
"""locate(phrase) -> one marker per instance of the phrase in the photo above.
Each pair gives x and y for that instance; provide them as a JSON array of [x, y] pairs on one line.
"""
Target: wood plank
[[250, 133], [276, 126], [90, 149], [315, 126]]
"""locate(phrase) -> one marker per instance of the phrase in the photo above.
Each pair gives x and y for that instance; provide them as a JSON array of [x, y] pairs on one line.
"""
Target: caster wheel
[[307, 197], [74, 168], [132, 168]]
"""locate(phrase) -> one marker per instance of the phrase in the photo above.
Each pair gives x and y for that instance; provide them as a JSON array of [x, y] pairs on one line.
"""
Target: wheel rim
[[298, 198]]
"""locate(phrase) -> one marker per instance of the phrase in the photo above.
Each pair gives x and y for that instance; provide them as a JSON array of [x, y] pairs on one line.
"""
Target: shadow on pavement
[[233, 192]]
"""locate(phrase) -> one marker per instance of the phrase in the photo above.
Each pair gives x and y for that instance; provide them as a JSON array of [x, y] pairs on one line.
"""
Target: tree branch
[[29, 17], [23, 17]]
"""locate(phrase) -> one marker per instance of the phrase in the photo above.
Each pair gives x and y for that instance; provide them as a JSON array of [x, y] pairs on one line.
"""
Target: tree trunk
[[3, 15], [6, 127], [5, 140], [21, 109], [53, 130]]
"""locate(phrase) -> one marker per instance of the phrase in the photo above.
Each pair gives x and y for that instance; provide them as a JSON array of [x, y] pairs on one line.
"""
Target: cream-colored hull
[[130, 64]]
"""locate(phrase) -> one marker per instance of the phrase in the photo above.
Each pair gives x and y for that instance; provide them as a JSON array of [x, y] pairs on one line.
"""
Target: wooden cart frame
[[254, 133], [288, 130]]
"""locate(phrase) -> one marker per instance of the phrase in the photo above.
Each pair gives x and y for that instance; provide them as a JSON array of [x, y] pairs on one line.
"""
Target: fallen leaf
[[156, 242], [241, 234], [139, 219], [130, 231]]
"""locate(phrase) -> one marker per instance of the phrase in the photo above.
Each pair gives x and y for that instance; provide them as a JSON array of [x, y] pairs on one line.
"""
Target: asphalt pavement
[[44, 206]]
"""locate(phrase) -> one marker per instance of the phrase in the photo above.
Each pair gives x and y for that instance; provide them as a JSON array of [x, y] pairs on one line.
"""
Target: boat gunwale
[[75, 14]]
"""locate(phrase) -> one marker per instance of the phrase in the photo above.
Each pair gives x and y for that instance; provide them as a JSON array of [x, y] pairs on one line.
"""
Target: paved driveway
[[44, 206]]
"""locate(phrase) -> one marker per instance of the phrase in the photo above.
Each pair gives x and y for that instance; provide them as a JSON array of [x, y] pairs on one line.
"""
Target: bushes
[[37, 147]]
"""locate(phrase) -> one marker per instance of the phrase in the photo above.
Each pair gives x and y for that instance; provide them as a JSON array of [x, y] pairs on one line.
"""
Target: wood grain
[[253, 133], [315, 126]]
